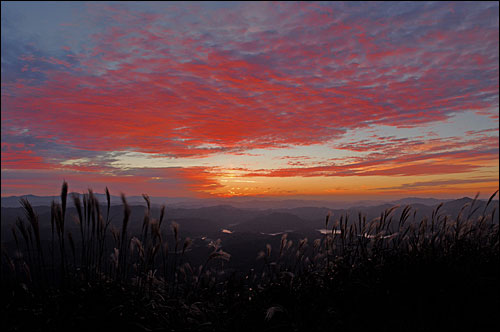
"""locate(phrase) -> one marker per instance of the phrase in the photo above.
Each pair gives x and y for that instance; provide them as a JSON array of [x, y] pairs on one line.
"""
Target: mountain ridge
[[250, 203]]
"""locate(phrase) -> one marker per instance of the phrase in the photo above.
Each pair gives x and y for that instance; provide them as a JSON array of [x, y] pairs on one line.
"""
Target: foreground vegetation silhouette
[[393, 273]]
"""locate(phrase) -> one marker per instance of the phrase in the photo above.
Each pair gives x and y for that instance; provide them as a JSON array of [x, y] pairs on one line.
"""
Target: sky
[[222, 99]]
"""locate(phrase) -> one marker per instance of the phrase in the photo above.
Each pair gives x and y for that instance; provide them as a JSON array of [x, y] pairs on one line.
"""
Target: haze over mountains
[[238, 202], [210, 216], [244, 226]]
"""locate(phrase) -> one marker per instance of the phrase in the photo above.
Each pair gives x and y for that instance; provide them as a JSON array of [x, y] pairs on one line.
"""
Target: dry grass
[[354, 260]]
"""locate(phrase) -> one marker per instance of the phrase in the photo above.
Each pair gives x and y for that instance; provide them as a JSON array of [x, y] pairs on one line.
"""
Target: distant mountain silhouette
[[418, 200], [234, 202], [209, 221], [13, 201], [272, 223]]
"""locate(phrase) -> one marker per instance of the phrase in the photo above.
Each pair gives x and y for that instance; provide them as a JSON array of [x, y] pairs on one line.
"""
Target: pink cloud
[[223, 98]]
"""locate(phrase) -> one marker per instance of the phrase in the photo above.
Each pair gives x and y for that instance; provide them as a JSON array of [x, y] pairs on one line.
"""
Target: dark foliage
[[388, 274]]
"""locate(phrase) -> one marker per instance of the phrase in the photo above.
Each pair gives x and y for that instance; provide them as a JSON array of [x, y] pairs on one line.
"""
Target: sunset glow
[[341, 100]]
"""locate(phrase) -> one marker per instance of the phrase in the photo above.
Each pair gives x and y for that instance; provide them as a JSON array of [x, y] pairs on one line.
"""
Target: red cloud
[[116, 99], [173, 182], [19, 156]]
